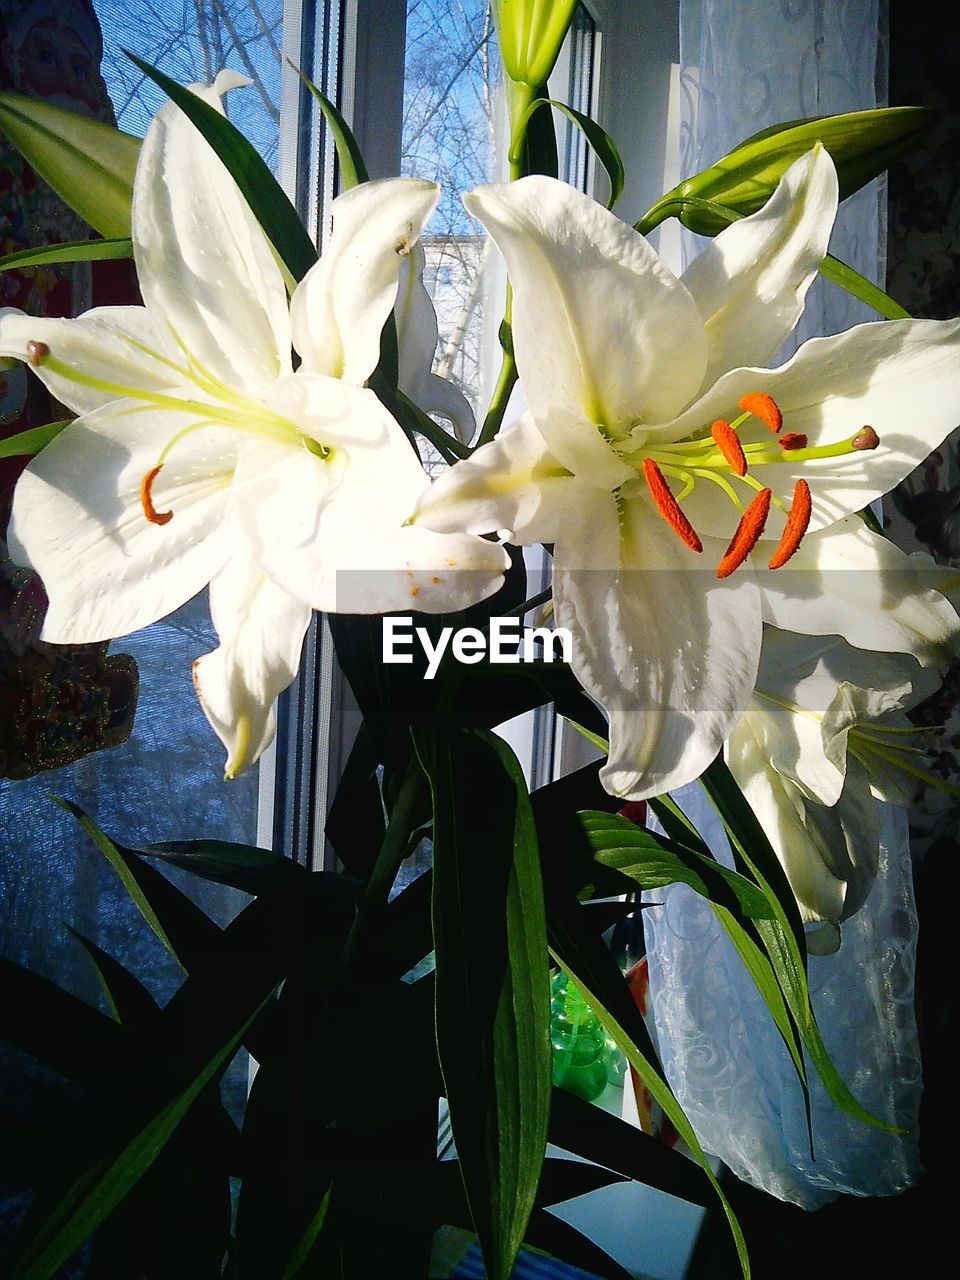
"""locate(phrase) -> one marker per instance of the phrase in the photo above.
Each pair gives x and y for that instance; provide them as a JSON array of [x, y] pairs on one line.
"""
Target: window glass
[[451, 73], [163, 777], [191, 40]]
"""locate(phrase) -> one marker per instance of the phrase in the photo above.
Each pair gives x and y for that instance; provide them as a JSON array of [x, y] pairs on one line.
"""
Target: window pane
[[166, 780], [451, 75], [191, 40]]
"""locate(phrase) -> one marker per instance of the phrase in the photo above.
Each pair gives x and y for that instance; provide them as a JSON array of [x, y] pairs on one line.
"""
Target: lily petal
[[417, 337], [331, 530], [513, 483], [810, 694], [79, 522], [669, 652], [202, 259], [261, 629], [597, 316], [780, 808], [902, 377], [849, 581], [339, 308], [750, 283], [108, 347]]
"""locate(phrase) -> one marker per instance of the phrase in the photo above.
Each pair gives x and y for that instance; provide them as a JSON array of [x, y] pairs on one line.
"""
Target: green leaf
[[100, 1189], [735, 900], [595, 1135], [492, 981], [654, 862], [89, 164], [130, 1002], [753, 851], [782, 936], [55, 1027], [187, 933], [27, 443], [594, 972], [69, 251], [603, 145], [353, 170], [847, 278], [862, 144], [267, 200], [240, 866], [302, 1252]]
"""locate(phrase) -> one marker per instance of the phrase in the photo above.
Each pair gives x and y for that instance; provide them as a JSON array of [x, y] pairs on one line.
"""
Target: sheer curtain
[[748, 64]]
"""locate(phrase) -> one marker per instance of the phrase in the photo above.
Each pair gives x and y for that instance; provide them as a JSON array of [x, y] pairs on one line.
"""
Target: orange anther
[[37, 352], [793, 440], [763, 407], [146, 498], [747, 535], [668, 506], [796, 526], [725, 438], [414, 591], [866, 438]]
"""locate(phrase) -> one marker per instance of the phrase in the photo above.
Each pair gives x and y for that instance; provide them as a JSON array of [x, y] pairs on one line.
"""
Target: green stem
[[520, 96], [448, 446], [506, 381]]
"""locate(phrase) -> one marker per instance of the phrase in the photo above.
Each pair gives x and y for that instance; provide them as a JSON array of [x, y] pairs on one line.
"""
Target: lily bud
[[861, 143], [531, 34]]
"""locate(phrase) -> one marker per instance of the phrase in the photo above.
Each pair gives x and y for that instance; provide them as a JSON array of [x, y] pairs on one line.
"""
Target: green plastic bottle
[[584, 1059]]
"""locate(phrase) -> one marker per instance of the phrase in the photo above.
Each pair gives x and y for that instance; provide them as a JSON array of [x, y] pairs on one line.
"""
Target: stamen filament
[[668, 506], [796, 526], [892, 756], [724, 484], [256, 420], [747, 534]]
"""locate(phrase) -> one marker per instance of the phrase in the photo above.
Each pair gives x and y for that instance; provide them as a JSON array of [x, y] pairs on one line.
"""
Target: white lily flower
[[199, 455], [814, 750], [649, 444]]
